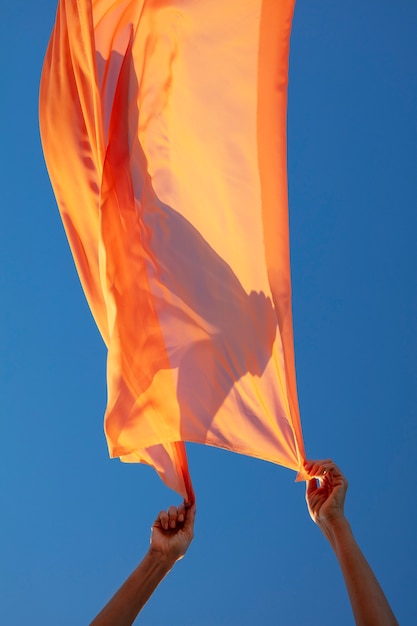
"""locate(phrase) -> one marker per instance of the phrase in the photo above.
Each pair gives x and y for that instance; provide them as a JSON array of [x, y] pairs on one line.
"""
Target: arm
[[326, 507], [172, 533]]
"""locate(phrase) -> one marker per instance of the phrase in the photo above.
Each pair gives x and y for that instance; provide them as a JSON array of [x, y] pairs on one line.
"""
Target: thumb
[[311, 487], [190, 514]]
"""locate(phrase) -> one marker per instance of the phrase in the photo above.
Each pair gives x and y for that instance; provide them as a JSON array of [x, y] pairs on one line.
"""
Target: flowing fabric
[[163, 125]]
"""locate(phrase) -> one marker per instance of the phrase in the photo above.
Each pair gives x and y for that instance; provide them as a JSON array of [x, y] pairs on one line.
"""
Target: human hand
[[172, 532], [325, 504], [325, 501]]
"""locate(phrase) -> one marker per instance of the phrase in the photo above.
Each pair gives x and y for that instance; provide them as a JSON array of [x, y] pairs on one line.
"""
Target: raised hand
[[325, 500], [325, 503], [173, 531]]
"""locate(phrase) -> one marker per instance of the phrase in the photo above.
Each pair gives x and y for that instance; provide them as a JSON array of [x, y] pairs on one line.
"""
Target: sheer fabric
[[163, 125]]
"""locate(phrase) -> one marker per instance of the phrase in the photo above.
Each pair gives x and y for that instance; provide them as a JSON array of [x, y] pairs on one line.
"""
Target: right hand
[[325, 501]]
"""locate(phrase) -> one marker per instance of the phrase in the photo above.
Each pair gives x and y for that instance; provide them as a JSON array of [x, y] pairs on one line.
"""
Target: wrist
[[334, 527], [160, 559]]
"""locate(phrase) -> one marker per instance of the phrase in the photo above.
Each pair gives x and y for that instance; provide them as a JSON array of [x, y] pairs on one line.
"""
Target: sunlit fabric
[[163, 125]]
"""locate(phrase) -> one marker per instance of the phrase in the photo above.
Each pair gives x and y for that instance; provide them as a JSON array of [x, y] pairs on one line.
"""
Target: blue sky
[[73, 523]]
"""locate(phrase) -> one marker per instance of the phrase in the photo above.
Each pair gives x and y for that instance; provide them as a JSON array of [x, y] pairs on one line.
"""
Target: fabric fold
[[163, 126]]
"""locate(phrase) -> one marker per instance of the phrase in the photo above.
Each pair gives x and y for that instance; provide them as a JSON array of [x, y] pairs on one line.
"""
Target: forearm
[[126, 604], [369, 604]]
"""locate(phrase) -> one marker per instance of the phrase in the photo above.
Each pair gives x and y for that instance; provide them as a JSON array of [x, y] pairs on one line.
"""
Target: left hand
[[173, 531]]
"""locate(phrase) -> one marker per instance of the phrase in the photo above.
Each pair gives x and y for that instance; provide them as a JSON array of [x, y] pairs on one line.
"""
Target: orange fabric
[[163, 127]]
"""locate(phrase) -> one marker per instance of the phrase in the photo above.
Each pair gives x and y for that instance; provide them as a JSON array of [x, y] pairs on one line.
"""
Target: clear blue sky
[[73, 523]]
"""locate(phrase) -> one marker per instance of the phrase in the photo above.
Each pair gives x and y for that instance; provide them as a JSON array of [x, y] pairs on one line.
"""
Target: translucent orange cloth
[[163, 125]]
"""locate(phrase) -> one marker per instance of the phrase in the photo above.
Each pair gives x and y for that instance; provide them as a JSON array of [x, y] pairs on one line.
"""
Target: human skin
[[325, 502], [171, 535]]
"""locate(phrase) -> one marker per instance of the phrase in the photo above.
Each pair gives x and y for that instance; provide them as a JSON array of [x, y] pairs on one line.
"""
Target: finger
[[172, 514], [311, 488], [163, 520], [336, 471], [181, 513], [310, 462], [319, 469], [314, 468], [189, 519], [331, 475]]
